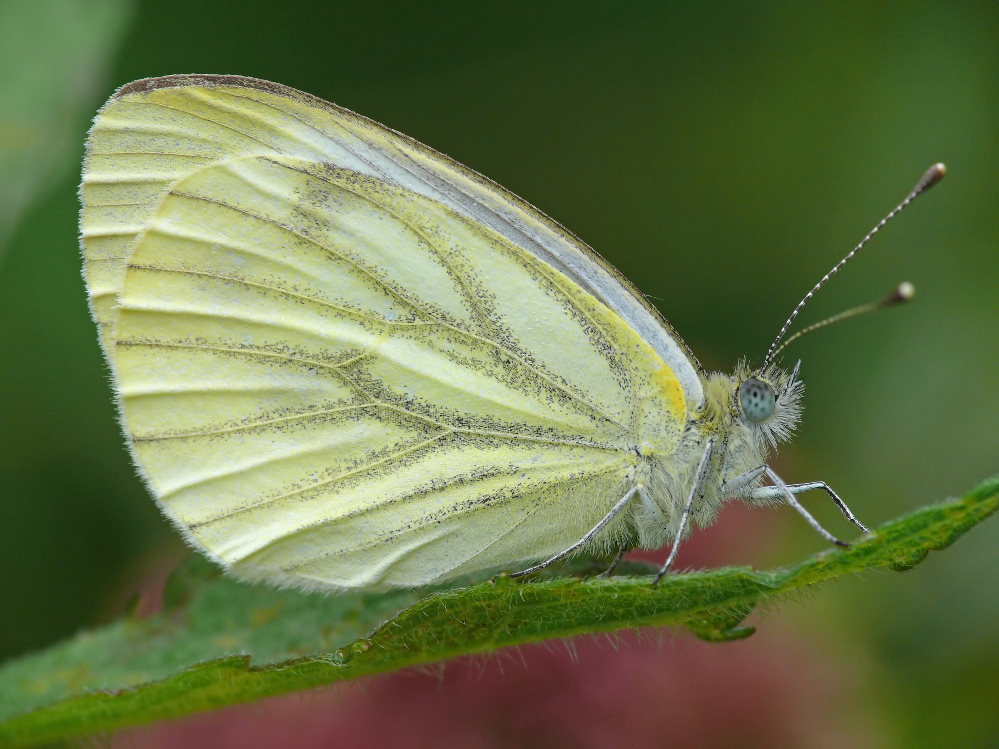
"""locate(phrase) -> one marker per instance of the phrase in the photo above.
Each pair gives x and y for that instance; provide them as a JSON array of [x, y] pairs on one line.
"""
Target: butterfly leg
[[613, 565], [585, 539], [788, 495], [774, 492], [702, 469]]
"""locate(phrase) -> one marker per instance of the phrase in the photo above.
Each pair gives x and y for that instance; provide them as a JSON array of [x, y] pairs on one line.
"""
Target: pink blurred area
[[647, 689]]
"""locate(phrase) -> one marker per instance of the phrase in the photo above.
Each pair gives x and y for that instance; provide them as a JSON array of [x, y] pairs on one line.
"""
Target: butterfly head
[[768, 402]]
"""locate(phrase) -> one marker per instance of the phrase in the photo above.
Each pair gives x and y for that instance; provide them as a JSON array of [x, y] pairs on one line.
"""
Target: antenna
[[932, 175], [903, 292]]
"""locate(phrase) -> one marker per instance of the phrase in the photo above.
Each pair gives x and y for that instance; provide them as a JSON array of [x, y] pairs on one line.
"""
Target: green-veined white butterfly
[[344, 360]]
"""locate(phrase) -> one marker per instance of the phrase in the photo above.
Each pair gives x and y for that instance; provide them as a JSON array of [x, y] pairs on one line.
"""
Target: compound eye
[[757, 399]]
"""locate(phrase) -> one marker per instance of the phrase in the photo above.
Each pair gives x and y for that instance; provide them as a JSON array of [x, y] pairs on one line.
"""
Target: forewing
[[156, 130]]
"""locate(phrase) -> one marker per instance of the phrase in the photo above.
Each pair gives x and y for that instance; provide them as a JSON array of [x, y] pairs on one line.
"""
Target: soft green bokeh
[[55, 56], [723, 156]]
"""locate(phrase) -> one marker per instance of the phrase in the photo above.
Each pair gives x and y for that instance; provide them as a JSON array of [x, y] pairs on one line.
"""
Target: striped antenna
[[933, 175], [903, 292]]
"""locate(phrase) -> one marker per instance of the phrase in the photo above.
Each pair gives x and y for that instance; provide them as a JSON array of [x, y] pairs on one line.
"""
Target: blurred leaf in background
[[55, 57], [723, 156]]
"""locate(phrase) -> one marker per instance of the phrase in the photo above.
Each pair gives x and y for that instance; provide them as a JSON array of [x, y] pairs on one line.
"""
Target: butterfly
[[343, 360]]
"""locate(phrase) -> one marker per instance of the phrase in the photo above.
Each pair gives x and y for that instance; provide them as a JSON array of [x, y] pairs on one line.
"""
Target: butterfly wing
[[155, 130], [331, 379]]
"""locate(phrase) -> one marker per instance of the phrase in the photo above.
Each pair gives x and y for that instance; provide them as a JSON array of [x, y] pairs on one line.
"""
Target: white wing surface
[[180, 122], [330, 378]]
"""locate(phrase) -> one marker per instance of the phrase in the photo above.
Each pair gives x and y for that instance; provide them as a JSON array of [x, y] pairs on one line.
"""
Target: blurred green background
[[723, 156]]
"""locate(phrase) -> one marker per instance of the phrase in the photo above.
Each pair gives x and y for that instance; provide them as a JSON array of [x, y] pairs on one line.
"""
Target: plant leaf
[[219, 642]]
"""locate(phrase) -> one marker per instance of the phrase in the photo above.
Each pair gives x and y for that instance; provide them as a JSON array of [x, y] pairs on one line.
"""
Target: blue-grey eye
[[757, 399]]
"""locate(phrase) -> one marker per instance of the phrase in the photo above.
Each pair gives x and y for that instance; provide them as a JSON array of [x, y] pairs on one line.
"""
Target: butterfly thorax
[[740, 442]]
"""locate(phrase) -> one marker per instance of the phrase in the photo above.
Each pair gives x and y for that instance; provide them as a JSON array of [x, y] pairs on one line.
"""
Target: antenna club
[[904, 292], [932, 175]]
